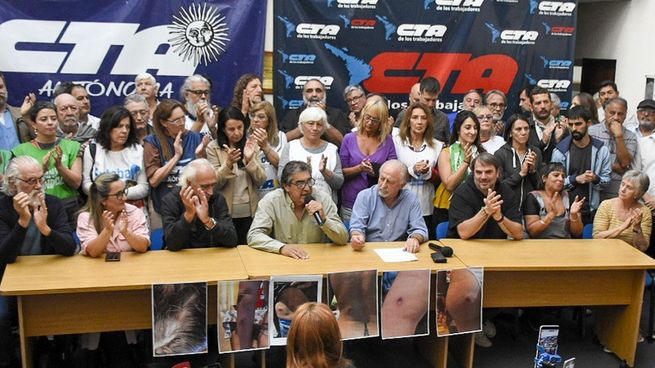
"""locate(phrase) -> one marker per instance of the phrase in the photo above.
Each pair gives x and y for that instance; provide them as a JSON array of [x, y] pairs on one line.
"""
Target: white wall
[[624, 31]]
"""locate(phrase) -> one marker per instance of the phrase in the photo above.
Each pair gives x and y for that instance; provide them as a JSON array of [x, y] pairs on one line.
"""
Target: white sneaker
[[489, 329], [482, 341]]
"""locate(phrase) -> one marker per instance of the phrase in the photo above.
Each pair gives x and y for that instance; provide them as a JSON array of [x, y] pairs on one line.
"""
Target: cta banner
[[387, 46], [105, 44]]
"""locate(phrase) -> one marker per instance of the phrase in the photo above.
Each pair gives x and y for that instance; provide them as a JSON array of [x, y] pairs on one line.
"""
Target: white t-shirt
[[493, 144], [127, 163]]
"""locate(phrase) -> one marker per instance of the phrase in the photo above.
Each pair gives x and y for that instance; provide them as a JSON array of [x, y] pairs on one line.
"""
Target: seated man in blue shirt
[[388, 212]]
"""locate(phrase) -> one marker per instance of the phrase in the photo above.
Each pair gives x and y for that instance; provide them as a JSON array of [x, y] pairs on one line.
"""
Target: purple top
[[352, 156]]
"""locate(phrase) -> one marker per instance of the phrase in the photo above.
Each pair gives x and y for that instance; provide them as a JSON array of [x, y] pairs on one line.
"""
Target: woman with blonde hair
[[364, 151], [271, 141], [314, 339]]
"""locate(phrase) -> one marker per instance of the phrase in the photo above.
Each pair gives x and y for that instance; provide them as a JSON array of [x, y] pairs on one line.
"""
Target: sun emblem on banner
[[200, 34]]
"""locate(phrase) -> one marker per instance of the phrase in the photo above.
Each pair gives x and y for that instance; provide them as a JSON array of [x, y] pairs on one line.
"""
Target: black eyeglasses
[[119, 195], [32, 181], [301, 184], [199, 92]]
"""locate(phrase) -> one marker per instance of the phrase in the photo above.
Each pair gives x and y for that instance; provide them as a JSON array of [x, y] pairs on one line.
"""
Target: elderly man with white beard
[[31, 223], [196, 96]]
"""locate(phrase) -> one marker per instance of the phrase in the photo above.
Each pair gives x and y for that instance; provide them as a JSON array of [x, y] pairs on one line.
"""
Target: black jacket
[[12, 234], [178, 234], [511, 165]]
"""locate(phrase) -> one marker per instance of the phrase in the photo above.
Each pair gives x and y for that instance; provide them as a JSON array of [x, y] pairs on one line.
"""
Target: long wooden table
[[531, 273], [66, 295], [329, 258]]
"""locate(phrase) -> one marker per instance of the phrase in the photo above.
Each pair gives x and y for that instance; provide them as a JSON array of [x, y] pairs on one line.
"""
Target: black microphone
[[445, 250], [317, 216]]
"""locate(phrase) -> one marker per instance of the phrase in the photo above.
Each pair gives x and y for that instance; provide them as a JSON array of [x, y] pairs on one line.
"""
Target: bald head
[[393, 177], [415, 93]]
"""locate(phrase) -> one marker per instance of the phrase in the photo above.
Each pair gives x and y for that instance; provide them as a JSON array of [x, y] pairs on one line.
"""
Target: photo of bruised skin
[[356, 296], [405, 304], [250, 332], [463, 301]]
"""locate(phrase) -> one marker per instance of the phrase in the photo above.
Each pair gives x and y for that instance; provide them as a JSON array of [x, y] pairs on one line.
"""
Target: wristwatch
[[211, 224]]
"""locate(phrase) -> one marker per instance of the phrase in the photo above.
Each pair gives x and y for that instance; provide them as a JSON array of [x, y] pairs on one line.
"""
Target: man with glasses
[[137, 105], [289, 215], [646, 118], [496, 100], [645, 157], [388, 211], [314, 95], [31, 223], [68, 115], [195, 214], [196, 96], [356, 99], [621, 142]]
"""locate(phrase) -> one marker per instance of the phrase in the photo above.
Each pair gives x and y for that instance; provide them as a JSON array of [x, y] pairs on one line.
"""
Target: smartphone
[[113, 256]]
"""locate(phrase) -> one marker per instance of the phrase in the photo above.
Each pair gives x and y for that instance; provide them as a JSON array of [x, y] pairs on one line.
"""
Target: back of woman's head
[[314, 339]]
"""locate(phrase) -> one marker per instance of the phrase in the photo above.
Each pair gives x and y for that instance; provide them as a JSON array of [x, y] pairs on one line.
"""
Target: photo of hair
[[242, 315], [405, 304], [459, 301], [179, 319], [353, 298], [286, 294]]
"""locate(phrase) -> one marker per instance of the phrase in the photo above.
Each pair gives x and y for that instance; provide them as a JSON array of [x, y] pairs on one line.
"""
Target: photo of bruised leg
[[406, 302], [356, 303], [243, 315], [459, 309]]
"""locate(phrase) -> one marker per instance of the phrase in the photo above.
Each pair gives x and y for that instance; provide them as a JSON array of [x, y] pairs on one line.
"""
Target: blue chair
[[588, 231], [442, 230], [157, 239]]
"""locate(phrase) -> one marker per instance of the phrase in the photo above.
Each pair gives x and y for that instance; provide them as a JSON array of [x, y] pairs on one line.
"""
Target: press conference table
[[530, 273], [329, 258], [66, 295]]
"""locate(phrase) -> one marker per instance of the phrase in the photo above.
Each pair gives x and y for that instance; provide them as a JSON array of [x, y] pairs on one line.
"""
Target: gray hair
[[292, 168], [134, 98], [495, 92], [617, 100], [313, 114], [639, 179], [554, 98], [398, 164], [191, 169], [352, 88], [146, 76], [13, 172], [187, 84]]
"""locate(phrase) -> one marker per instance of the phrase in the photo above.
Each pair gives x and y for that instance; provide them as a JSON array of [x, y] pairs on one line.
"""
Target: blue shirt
[[371, 216], [8, 136]]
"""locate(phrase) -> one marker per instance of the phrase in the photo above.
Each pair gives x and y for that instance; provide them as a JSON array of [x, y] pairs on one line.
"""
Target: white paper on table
[[391, 255]]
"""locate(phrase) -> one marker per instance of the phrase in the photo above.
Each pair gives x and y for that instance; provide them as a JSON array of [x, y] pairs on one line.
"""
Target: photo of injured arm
[[243, 315], [459, 301], [286, 294], [353, 297], [405, 303]]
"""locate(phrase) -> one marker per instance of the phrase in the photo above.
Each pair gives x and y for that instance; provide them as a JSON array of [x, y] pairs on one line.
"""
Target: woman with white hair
[[626, 217], [322, 156]]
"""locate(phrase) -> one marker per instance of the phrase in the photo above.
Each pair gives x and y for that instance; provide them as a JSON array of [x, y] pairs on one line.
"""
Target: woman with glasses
[[271, 142], [363, 152], [170, 148], [418, 150], [521, 163], [117, 149], [238, 169], [60, 157], [488, 138], [455, 160], [322, 156], [107, 224]]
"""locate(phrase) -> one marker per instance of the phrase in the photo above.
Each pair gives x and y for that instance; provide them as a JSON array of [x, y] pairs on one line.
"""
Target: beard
[[3, 99], [312, 101], [33, 198], [646, 125], [577, 135]]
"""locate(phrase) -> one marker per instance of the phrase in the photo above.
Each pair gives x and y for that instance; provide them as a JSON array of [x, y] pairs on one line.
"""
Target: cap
[[646, 104]]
